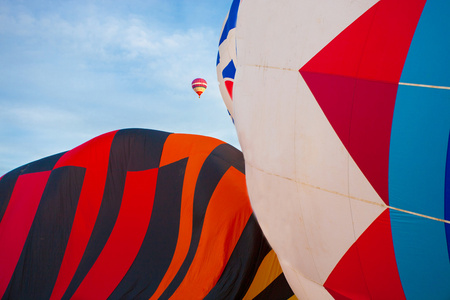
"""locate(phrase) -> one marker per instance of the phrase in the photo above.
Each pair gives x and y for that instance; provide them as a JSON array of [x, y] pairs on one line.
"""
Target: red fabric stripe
[[17, 221], [369, 269], [126, 237], [376, 249], [370, 131], [199, 80], [94, 156], [354, 79]]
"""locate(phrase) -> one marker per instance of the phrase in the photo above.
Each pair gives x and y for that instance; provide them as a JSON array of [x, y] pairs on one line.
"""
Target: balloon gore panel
[[133, 213]]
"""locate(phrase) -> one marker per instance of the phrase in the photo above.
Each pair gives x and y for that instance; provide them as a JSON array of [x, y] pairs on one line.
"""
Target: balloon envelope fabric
[[135, 214], [342, 112]]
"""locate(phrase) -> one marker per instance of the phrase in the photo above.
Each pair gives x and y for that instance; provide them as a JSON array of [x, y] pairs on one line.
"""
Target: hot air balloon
[[342, 112], [136, 214], [199, 85], [226, 57]]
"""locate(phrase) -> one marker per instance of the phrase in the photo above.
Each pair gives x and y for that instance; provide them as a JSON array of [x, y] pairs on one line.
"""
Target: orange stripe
[[225, 219], [179, 146], [197, 148]]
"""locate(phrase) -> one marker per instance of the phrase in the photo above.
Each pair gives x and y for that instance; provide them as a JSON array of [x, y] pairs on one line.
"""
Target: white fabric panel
[[328, 222], [366, 204], [363, 214], [285, 232], [310, 229], [287, 33], [305, 288], [320, 157], [310, 198], [261, 115]]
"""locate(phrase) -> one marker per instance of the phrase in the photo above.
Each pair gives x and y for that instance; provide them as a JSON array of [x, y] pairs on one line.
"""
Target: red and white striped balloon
[[199, 85]]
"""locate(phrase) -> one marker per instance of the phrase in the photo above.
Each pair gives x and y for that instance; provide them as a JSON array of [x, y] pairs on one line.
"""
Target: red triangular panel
[[355, 77], [368, 270], [347, 279], [229, 86]]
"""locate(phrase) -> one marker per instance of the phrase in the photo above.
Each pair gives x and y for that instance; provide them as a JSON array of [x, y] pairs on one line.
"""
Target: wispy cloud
[[79, 70]]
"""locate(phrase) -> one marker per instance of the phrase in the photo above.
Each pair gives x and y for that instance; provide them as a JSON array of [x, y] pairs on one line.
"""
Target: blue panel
[[418, 150], [447, 197], [229, 71], [421, 254], [418, 163], [231, 20], [428, 58]]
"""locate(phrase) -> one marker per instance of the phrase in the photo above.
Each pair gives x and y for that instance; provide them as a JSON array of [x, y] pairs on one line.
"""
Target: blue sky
[[72, 70]]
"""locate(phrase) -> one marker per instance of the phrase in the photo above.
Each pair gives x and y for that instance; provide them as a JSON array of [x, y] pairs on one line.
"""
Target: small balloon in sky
[[199, 85]]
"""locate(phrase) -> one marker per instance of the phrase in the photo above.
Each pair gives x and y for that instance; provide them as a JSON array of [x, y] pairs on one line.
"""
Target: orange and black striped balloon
[[135, 214]]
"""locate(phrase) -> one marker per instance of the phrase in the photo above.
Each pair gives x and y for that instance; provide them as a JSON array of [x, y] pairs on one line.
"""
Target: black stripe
[[43, 252], [212, 171], [7, 184], [233, 156], [158, 247], [41, 165], [9, 179], [279, 289], [243, 264], [131, 150], [143, 147]]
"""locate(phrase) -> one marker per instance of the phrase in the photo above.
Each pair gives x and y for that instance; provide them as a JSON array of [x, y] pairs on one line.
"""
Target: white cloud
[[71, 73]]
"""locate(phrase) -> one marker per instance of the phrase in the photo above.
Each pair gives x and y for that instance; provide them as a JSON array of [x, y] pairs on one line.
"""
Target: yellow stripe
[[268, 270]]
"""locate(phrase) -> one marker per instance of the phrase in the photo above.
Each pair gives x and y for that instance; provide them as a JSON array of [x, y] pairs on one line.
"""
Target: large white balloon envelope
[[342, 111]]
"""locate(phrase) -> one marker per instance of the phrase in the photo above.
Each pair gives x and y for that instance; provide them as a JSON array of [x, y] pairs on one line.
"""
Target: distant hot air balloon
[[199, 85], [343, 115], [135, 213]]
